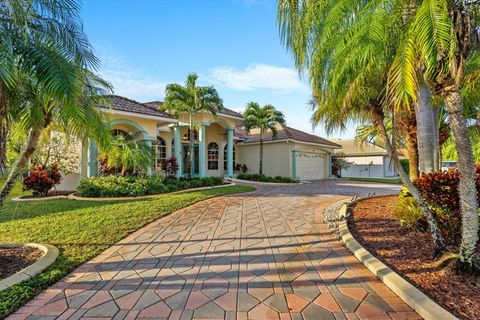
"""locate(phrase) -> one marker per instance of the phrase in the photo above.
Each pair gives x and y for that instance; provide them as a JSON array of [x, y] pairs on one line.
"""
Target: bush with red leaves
[[440, 191], [40, 180], [170, 166]]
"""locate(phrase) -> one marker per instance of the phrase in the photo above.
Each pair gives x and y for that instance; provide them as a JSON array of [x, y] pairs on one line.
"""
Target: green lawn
[[379, 180], [81, 230]]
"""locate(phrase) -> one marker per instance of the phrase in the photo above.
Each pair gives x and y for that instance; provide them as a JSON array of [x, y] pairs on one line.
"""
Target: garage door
[[310, 166]]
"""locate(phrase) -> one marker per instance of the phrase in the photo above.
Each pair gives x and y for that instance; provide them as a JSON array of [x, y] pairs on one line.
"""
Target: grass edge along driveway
[[81, 230]]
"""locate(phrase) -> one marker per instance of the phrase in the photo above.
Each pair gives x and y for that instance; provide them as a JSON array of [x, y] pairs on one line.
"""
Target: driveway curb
[[259, 183], [417, 300], [50, 255]]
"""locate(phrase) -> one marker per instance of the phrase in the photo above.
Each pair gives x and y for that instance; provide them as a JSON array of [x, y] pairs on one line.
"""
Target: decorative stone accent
[[49, 257], [416, 299]]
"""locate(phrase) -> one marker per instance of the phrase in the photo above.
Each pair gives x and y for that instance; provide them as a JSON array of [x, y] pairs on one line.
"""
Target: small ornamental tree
[[339, 163], [40, 180], [170, 166]]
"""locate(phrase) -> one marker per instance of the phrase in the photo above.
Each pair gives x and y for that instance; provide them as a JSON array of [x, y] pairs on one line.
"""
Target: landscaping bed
[[134, 186], [263, 178], [81, 230], [409, 253], [14, 259]]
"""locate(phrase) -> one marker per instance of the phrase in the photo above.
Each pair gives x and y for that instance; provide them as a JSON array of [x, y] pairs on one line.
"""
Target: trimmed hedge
[[132, 186], [263, 178]]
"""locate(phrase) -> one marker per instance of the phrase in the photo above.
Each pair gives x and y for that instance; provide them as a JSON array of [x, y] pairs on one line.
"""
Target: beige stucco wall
[[276, 158], [149, 125], [207, 117]]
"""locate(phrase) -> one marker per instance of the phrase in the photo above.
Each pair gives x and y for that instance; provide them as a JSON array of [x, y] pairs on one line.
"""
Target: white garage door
[[310, 166]]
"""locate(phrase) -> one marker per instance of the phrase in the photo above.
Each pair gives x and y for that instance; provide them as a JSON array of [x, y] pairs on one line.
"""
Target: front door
[[185, 164]]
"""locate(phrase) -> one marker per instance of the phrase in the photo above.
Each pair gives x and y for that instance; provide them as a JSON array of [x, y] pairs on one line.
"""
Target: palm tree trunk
[[466, 188], [3, 127], [190, 149], [412, 150], [437, 150], [425, 129], [260, 171], [21, 163], [378, 121]]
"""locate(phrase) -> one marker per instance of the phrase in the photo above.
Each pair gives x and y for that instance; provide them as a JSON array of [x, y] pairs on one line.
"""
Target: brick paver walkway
[[263, 255]]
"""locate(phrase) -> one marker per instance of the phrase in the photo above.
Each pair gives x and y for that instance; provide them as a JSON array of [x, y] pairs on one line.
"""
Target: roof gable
[[120, 103]]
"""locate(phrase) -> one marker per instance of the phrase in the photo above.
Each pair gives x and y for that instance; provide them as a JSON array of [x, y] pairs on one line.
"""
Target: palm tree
[[191, 99], [33, 33], [34, 109], [128, 154], [347, 48], [441, 37], [265, 118]]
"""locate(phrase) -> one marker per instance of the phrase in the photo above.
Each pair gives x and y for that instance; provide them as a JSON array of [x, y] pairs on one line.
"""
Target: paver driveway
[[262, 255]]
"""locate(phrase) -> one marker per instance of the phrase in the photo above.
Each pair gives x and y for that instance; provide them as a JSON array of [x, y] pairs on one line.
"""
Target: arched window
[[212, 156], [160, 149], [225, 157]]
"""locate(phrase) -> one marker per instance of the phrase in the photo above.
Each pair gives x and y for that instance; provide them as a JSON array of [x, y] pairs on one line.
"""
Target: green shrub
[[408, 213], [131, 186], [263, 178], [405, 165]]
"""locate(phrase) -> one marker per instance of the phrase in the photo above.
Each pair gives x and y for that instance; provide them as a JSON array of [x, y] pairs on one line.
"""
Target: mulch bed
[[409, 253], [13, 260]]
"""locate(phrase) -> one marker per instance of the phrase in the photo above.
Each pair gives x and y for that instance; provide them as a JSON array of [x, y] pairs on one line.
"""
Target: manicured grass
[[81, 230], [379, 180]]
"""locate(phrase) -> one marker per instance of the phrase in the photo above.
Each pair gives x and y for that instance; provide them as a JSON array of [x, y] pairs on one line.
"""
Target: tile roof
[[230, 112], [352, 147], [128, 105], [287, 133]]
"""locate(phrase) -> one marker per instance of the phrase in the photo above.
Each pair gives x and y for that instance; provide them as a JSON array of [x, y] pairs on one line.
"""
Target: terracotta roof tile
[[128, 105], [285, 134]]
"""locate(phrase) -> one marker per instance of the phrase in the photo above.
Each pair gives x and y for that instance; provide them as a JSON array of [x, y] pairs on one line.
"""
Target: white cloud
[[258, 76], [128, 82]]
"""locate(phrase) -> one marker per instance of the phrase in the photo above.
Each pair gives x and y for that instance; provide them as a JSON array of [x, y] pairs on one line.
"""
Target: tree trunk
[[412, 149], [21, 163], [378, 121], [466, 188], [437, 150], [425, 130], [4, 126], [260, 171], [190, 149]]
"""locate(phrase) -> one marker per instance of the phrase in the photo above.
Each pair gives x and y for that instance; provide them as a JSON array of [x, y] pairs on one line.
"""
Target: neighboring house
[[219, 144], [368, 160]]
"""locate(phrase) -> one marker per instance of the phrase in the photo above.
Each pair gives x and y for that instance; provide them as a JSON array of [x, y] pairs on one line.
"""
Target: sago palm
[[265, 119], [347, 48], [191, 99]]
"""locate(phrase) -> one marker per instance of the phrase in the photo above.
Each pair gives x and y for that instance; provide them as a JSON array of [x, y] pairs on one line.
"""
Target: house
[[219, 144], [368, 160]]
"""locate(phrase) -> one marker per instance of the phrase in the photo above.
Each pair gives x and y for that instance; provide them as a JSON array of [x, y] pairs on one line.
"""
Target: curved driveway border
[[73, 196], [21, 199], [49, 257], [264, 184], [416, 299]]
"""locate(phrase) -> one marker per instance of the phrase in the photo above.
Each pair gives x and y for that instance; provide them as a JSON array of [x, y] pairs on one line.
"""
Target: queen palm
[[348, 61], [33, 33], [191, 99], [265, 119], [441, 38]]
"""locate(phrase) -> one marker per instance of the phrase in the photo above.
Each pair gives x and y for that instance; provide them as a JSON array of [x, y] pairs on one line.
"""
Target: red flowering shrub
[[440, 191], [40, 180]]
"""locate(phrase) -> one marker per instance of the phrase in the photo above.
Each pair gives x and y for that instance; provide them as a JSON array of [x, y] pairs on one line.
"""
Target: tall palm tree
[[347, 48], [441, 37], [265, 119], [29, 30], [191, 99]]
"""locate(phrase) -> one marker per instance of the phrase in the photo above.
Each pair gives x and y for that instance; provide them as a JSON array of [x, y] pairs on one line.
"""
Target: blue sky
[[232, 44]]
